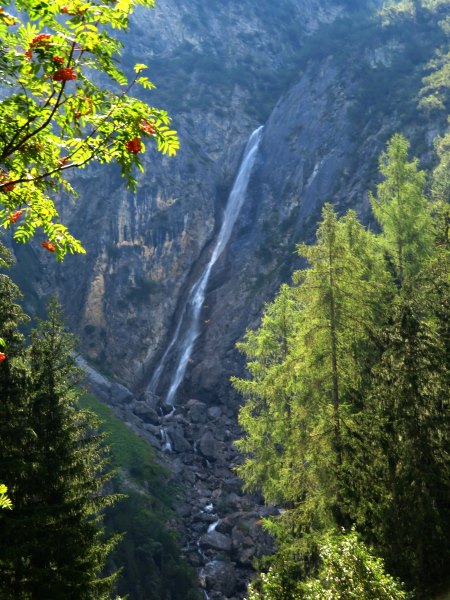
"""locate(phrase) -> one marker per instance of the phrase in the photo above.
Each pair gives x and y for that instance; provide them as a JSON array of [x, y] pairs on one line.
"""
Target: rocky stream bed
[[220, 525]]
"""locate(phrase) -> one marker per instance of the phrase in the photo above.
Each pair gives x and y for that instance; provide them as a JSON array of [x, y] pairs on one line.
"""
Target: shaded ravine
[[188, 326]]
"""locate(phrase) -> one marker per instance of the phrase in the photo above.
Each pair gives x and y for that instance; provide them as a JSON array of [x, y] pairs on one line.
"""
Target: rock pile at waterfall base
[[220, 525]]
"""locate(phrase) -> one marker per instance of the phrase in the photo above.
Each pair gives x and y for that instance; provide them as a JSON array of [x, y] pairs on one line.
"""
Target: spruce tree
[[404, 427], [57, 547], [407, 432], [16, 435]]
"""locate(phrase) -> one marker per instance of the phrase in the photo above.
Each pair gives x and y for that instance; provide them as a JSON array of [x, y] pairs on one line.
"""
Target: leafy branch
[[55, 118]]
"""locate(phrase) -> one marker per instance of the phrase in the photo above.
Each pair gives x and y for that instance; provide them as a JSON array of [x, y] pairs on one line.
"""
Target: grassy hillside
[[149, 552]]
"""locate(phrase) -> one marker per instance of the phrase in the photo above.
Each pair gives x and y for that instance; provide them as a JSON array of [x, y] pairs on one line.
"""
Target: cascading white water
[[212, 526], [191, 314]]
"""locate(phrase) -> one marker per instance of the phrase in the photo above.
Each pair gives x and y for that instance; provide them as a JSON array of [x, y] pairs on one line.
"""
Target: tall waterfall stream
[[183, 340]]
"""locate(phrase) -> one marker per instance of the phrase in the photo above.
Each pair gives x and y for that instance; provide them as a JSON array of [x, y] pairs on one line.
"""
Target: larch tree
[[308, 362], [402, 210]]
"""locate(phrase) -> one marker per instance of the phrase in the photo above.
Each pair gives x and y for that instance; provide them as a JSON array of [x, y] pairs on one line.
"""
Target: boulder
[[233, 501], [119, 394], [167, 409], [218, 575], [146, 413], [241, 536], [244, 556], [208, 446], [197, 411], [233, 484], [188, 476], [178, 441], [154, 441], [216, 541], [151, 400], [214, 412], [154, 429]]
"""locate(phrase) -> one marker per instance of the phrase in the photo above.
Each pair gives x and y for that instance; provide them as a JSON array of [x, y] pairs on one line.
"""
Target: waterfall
[[212, 526], [184, 343]]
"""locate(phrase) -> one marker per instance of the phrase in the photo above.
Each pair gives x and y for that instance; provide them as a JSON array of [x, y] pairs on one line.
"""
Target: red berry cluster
[[43, 39], [134, 145], [68, 11], [65, 74], [16, 215], [148, 127], [7, 186], [48, 246]]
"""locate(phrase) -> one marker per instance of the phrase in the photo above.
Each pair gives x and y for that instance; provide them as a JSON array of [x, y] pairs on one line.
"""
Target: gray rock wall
[[216, 65], [223, 69]]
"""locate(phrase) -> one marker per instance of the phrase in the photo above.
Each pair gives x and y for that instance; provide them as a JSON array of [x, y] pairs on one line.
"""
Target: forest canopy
[[346, 417]]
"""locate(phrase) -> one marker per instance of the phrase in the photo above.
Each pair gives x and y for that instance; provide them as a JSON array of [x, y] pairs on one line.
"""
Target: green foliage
[[149, 553], [402, 210], [346, 419], [397, 9], [436, 85], [407, 427], [350, 572], [308, 362], [54, 463], [128, 451], [441, 178], [64, 105], [347, 571], [275, 585], [434, 92], [5, 502]]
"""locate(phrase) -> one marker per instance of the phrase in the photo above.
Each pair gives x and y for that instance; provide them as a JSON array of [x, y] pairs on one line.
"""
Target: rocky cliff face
[[219, 69], [329, 84], [329, 91]]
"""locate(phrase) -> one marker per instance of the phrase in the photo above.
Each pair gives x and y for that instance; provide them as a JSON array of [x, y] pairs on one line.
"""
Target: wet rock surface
[[219, 524]]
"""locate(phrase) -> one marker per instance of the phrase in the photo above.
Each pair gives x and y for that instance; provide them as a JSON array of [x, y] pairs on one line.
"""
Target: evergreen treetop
[[55, 466]]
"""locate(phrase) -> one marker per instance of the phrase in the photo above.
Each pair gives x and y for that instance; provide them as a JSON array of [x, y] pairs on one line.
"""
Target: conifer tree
[[306, 381], [403, 211], [440, 188], [404, 427], [407, 433], [56, 544], [14, 378], [347, 414]]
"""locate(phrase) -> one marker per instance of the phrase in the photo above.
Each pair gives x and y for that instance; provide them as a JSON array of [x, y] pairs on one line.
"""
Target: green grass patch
[[129, 452], [149, 553]]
